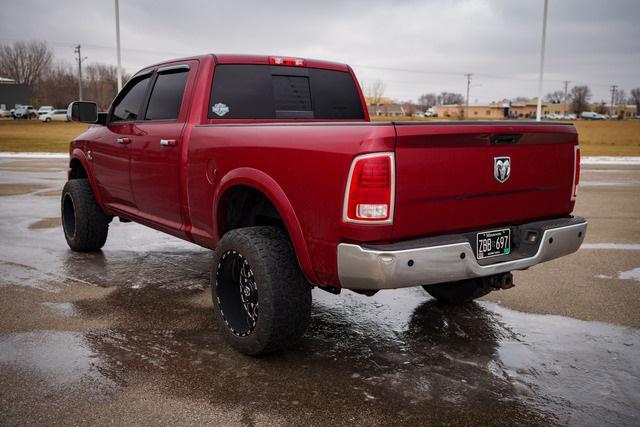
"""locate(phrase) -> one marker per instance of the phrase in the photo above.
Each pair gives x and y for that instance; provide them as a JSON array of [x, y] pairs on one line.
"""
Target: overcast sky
[[415, 47]]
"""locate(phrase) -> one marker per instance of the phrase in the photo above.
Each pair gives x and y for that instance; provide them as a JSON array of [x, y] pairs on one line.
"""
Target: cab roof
[[230, 58]]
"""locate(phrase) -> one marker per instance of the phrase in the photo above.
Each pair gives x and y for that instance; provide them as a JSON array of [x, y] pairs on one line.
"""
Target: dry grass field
[[597, 138], [36, 136]]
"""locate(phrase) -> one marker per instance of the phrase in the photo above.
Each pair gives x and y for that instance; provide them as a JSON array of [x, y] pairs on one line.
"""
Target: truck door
[[110, 150], [156, 148]]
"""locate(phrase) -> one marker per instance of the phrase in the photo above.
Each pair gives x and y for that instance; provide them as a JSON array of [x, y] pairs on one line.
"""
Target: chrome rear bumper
[[372, 268]]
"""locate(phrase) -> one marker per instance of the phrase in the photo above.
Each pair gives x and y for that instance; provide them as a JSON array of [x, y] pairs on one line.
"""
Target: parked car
[[570, 116], [44, 109], [589, 115], [4, 113], [25, 112], [273, 162], [54, 116]]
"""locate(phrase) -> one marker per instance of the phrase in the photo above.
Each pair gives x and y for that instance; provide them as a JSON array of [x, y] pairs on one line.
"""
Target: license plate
[[493, 243]]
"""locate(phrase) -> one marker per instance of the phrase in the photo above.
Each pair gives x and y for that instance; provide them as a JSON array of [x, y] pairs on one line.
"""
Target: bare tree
[[101, 82], [602, 108], [25, 62], [375, 92], [521, 99], [555, 97], [620, 97], [450, 98], [57, 87], [427, 100], [409, 108], [635, 99], [580, 96]]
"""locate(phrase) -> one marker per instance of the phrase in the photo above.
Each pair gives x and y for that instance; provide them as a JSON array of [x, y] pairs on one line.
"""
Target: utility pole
[[614, 89], [118, 46], [80, 60], [544, 37], [566, 94], [466, 110]]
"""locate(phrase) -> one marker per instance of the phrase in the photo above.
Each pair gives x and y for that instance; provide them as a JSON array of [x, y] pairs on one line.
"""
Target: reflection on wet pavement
[[394, 358]]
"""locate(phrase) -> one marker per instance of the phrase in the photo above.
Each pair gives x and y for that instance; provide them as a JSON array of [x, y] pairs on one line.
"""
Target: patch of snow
[[610, 160], [612, 246], [6, 154], [630, 275]]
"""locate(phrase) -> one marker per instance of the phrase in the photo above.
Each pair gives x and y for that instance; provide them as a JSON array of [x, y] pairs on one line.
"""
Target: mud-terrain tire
[[84, 223], [460, 292], [261, 299]]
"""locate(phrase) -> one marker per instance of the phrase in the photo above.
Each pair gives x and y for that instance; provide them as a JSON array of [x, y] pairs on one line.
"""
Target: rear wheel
[[85, 224], [460, 292], [261, 298]]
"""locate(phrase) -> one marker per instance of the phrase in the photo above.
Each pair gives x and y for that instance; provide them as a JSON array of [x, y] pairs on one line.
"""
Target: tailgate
[[445, 175]]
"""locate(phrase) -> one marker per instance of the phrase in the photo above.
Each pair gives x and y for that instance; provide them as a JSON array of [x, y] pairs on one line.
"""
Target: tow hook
[[501, 281]]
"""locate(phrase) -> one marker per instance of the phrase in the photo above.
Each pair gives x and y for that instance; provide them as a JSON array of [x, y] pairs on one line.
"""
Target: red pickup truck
[[274, 163]]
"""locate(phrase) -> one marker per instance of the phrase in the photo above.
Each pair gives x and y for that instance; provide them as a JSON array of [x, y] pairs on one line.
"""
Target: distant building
[[521, 110], [12, 93], [388, 110]]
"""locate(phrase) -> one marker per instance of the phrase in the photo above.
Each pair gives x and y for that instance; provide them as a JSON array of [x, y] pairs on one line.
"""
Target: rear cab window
[[248, 91]]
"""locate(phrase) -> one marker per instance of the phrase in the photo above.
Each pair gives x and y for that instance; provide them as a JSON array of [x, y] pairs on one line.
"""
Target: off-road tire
[[460, 292], [283, 294], [84, 223]]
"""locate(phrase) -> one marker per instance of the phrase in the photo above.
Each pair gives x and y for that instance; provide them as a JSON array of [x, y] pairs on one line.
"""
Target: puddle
[[62, 359]]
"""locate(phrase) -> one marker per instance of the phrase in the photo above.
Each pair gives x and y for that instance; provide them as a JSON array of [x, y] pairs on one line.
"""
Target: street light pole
[[544, 36], [118, 45]]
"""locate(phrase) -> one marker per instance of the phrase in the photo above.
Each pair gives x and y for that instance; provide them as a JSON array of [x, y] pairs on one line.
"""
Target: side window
[[128, 104], [166, 96]]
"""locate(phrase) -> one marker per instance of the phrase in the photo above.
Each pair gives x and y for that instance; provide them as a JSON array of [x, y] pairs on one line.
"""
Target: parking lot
[[127, 334]]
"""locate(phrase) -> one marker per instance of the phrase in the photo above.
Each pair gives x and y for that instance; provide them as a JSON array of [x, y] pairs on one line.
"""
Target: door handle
[[123, 141], [168, 142]]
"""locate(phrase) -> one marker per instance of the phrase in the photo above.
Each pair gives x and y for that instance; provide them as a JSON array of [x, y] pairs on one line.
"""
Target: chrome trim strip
[[362, 268]]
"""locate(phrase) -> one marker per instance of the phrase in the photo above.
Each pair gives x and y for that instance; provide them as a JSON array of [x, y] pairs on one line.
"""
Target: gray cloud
[[414, 46]]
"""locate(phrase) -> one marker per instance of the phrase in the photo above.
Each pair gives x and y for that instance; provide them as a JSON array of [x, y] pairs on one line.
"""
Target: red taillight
[[576, 172], [370, 189], [292, 62]]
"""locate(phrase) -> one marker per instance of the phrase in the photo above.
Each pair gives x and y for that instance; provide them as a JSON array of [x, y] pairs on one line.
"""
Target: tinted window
[[292, 97], [278, 92], [166, 96], [128, 103]]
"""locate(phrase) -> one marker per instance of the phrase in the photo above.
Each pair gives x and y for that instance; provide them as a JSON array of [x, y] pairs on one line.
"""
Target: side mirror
[[83, 111]]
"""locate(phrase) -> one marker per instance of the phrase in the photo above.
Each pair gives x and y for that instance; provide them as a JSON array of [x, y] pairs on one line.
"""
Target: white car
[[44, 110], [5, 113], [54, 116], [570, 117]]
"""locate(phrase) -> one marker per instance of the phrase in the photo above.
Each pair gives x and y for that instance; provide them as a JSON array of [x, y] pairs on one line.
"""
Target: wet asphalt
[[126, 336]]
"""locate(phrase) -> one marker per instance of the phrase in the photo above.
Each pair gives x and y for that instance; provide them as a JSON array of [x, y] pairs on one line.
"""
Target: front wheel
[[83, 220], [459, 292], [261, 298]]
